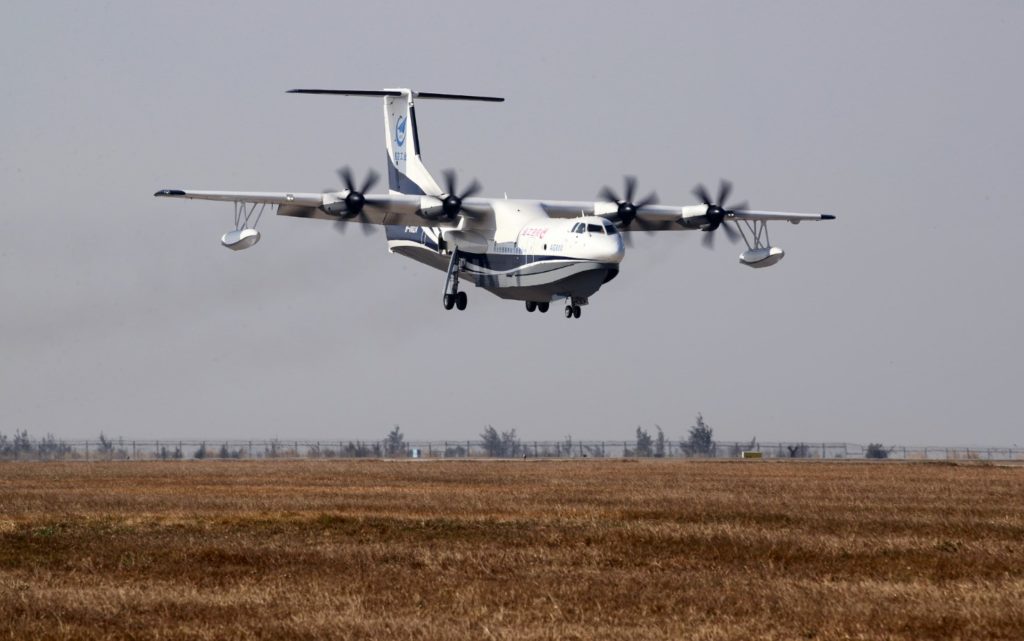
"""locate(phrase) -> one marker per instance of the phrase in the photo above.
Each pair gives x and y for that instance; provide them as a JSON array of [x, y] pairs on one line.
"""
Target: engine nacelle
[[694, 216], [762, 256], [240, 239], [465, 240]]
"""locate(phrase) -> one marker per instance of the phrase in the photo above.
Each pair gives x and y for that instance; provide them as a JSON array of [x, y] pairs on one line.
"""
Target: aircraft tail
[[406, 171]]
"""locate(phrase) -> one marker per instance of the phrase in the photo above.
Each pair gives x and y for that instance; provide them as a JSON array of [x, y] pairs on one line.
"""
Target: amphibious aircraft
[[535, 251]]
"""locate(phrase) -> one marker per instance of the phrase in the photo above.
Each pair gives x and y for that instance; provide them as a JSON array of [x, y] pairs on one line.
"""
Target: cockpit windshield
[[592, 228]]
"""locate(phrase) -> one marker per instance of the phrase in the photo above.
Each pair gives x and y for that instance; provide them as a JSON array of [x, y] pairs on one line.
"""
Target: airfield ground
[[511, 550]]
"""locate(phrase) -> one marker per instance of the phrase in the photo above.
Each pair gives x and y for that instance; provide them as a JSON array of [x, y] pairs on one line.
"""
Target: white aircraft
[[537, 251]]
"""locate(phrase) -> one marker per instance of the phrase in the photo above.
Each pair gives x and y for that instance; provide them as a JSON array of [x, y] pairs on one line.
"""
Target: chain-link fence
[[124, 449]]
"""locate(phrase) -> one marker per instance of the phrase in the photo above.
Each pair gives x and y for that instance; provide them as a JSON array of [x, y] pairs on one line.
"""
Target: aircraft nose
[[618, 249]]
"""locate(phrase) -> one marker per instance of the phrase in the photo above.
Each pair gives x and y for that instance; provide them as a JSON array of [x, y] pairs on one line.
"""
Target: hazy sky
[[900, 322]]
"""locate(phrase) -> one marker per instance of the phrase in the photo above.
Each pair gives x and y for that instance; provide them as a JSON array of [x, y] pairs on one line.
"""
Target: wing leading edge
[[378, 209]]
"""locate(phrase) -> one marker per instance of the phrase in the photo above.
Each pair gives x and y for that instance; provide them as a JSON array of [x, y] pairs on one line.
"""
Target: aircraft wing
[[749, 214], [378, 209], [667, 217]]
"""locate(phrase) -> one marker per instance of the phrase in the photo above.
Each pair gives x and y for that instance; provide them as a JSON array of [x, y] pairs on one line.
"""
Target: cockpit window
[[577, 228], [595, 229], [610, 229]]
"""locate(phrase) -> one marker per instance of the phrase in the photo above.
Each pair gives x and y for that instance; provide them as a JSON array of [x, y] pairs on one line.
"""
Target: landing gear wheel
[[576, 311], [568, 311], [449, 301], [461, 300], [530, 306], [542, 308]]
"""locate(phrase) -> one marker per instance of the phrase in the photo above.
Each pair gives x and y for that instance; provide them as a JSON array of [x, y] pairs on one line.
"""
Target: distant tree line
[[698, 441]]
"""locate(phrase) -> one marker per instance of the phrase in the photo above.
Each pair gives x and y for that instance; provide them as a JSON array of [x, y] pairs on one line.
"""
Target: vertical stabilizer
[[406, 172]]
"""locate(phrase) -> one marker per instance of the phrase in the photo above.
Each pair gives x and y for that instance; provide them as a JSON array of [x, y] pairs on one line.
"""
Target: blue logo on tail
[[400, 131]]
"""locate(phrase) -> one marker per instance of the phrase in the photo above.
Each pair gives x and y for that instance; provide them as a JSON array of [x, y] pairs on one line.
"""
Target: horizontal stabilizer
[[393, 92]]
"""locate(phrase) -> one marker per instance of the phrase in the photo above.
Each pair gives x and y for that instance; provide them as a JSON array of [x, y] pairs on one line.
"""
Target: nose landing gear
[[459, 300]]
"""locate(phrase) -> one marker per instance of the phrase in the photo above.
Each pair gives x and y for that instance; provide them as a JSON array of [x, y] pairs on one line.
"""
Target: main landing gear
[[572, 307], [452, 296], [540, 307]]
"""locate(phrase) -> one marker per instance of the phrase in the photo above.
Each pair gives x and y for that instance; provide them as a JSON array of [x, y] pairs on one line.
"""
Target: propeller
[[717, 212], [354, 202], [627, 212], [451, 200]]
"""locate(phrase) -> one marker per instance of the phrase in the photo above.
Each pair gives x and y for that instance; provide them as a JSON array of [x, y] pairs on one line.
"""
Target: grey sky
[[900, 322]]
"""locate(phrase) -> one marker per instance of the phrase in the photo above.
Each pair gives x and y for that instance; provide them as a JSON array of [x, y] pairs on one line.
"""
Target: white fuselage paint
[[529, 256]]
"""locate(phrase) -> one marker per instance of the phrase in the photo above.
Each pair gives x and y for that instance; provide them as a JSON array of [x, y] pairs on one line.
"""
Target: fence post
[[87, 450], [467, 449]]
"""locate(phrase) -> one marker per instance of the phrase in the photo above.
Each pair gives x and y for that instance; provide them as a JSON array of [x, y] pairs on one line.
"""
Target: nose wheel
[[573, 311], [458, 300]]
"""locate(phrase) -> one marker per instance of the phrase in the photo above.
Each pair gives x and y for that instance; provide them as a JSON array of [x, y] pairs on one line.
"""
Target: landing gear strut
[[452, 296], [572, 307]]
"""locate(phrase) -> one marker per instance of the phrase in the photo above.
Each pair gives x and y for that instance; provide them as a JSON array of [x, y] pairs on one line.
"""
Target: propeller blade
[[627, 240], [371, 179], [708, 240], [743, 206], [651, 199], [702, 194], [476, 212], [630, 188], [345, 173], [646, 226], [473, 189], [730, 233], [724, 189], [450, 180], [366, 226], [607, 194]]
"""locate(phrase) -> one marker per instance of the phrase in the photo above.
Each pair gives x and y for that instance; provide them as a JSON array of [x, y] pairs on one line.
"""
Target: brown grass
[[511, 550]]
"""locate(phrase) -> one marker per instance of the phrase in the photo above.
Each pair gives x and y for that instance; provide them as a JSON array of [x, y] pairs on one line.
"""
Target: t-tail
[[406, 171]]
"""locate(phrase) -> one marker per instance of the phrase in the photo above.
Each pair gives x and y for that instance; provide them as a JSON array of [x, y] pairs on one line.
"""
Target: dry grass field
[[511, 550]]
